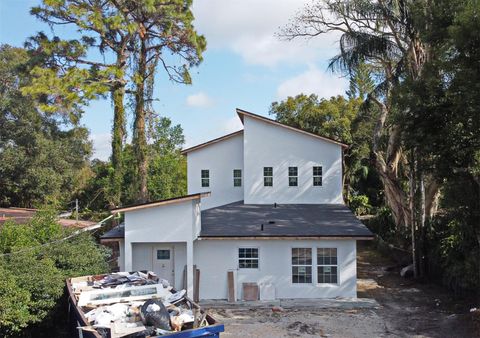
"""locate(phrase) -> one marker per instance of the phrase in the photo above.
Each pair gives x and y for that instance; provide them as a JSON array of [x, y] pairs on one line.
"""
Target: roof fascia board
[[241, 113], [211, 142], [160, 203], [358, 238]]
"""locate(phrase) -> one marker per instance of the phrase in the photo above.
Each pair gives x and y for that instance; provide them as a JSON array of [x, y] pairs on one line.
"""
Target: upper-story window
[[268, 176], [205, 178], [237, 177], [317, 176], [292, 176]]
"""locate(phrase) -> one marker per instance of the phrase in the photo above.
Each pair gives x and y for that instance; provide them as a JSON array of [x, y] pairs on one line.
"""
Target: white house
[[265, 207]]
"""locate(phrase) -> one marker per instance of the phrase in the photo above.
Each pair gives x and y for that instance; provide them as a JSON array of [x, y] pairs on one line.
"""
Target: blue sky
[[245, 66]]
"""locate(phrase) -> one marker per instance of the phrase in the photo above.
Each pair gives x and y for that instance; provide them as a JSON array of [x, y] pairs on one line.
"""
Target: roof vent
[[261, 227], [275, 204], [271, 222]]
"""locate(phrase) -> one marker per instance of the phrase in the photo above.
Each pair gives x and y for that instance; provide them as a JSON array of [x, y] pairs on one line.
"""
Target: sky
[[245, 66]]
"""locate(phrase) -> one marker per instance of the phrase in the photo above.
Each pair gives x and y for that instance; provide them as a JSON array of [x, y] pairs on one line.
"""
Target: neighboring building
[[24, 215], [264, 203]]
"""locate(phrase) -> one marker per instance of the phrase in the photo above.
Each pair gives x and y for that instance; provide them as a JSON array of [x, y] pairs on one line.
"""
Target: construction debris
[[137, 304]]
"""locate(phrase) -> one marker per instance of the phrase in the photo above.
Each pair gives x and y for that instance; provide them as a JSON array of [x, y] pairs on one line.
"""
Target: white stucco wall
[[221, 159], [170, 223], [143, 259], [215, 257], [267, 145]]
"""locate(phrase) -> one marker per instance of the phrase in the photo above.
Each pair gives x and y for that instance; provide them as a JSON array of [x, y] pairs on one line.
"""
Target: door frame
[[160, 246]]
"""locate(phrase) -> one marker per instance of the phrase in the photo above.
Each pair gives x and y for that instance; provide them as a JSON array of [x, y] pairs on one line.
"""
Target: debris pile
[[137, 304]]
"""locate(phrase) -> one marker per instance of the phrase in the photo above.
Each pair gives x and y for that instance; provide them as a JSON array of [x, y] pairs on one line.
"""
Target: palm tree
[[382, 35]]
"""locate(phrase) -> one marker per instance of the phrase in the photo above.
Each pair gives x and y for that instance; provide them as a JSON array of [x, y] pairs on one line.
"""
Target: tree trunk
[[413, 225], [118, 137], [432, 196], [139, 137], [421, 220]]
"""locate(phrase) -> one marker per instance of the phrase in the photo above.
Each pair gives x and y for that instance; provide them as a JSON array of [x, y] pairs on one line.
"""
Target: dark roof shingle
[[286, 220]]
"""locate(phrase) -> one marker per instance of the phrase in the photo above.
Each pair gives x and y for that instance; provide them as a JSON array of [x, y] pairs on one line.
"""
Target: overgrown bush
[[453, 253], [34, 264], [382, 224], [359, 204]]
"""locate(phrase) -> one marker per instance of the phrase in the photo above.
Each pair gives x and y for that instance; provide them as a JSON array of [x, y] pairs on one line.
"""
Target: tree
[[102, 28], [34, 270], [166, 173], [442, 119], [141, 34], [40, 158], [384, 36], [161, 27]]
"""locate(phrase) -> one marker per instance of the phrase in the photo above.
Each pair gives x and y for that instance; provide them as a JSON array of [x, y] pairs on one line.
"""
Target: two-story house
[[265, 206]]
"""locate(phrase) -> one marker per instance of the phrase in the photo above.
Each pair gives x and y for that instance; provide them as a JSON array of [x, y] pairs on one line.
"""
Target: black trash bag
[[157, 317]]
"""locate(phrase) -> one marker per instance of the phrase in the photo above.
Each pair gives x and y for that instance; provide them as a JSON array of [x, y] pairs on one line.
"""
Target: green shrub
[[359, 204], [34, 270]]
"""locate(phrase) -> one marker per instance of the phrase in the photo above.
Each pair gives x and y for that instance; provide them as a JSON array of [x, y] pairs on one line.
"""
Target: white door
[[163, 263]]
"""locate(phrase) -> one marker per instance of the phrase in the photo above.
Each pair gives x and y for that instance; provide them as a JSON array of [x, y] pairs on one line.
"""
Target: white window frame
[[237, 178], [327, 265], [205, 179], [317, 176], [302, 265], [291, 176], [250, 258], [267, 178]]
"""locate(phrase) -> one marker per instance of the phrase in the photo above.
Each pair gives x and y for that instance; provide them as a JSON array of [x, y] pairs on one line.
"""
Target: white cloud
[[232, 125], [101, 146], [248, 27], [199, 100], [313, 81]]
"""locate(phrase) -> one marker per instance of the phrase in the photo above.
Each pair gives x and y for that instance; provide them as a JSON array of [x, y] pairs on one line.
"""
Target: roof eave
[[160, 203], [241, 113], [208, 143], [288, 237]]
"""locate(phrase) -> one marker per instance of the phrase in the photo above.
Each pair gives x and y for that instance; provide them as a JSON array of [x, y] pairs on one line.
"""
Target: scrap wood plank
[[196, 290], [231, 286], [250, 291]]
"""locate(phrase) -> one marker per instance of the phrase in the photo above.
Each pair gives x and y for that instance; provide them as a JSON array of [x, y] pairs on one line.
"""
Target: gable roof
[[241, 113], [202, 145], [239, 220], [159, 202]]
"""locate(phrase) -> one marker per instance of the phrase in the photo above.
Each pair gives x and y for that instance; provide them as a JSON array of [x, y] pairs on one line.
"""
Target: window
[[292, 176], [317, 176], [248, 258], [301, 265], [268, 176], [237, 177], [205, 178], [327, 265], [163, 254]]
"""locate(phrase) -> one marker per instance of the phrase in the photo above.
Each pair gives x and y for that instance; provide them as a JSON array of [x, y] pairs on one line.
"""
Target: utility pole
[[76, 209]]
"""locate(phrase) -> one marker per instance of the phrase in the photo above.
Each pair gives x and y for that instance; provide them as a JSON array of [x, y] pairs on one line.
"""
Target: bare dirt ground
[[406, 309]]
